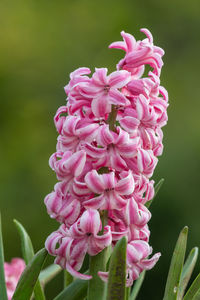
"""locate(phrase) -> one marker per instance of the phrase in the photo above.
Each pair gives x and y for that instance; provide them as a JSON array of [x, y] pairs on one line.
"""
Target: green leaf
[[50, 272], [187, 272], [26, 244], [176, 265], [68, 278], [3, 291], [137, 286], [28, 253], [194, 291], [77, 290], [157, 188], [117, 272], [29, 277], [197, 295]]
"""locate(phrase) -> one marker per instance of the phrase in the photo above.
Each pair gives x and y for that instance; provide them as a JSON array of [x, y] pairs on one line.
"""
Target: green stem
[[96, 287], [68, 278], [112, 118]]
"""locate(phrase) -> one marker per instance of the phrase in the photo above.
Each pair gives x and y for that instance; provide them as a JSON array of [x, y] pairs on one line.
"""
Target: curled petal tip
[[148, 34]]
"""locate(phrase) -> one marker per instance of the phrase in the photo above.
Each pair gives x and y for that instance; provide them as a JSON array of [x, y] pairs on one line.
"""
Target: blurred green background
[[41, 43]]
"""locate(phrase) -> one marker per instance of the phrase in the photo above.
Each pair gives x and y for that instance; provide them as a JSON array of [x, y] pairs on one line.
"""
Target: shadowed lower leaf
[[137, 286], [77, 290]]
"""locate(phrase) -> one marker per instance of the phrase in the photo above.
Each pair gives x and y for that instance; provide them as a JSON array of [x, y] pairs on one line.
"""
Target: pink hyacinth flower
[[105, 90], [110, 135], [13, 271], [62, 206], [76, 131], [110, 190], [137, 261], [134, 213], [139, 54], [81, 238], [68, 165], [114, 148]]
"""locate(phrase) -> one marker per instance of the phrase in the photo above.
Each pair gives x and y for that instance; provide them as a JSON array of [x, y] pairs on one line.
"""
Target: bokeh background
[[41, 43]]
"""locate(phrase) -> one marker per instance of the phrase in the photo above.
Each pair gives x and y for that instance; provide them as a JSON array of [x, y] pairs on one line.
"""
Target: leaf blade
[[117, 272], [2, 274], [176, 265], [77, 290], [187, 271], [29, 277], [28, 253], [194, 290], [50, 272], [137, 286]]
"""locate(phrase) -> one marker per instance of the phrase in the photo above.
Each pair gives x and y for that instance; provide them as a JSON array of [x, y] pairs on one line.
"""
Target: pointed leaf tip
[[28, 253], [26, 244]]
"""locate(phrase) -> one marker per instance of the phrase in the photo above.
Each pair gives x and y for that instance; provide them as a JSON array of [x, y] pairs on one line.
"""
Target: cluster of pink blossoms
[[13, 271], [109, 139]]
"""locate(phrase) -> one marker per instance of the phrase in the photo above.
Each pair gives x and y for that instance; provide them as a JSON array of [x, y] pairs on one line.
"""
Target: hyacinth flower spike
[[110, 137]]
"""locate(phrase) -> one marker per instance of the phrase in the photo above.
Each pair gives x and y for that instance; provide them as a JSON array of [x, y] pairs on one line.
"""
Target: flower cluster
[[13, 271], [109, 139]]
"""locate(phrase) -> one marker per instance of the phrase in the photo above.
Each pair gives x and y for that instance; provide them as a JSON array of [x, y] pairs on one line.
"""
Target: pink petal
[[108, 180], [100, 76], [76, 163], [148, 34], [96, 202], [103, 276], [94, 151], [148, 264], [59, 120], [116, 161], [105, 136], [90, 221], [119, 79], [126, 185], [117, 98], [113, 201], [101, 106], [129, 40], [80, 188], [94, 182], [105, 239], [77, 274], [129, 123]]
